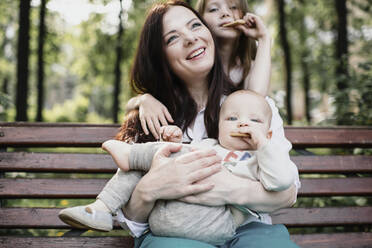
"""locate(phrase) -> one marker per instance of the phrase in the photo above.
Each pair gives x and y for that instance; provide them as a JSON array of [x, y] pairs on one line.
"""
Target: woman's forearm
[[258, 79], [139, 206], [254, 196]]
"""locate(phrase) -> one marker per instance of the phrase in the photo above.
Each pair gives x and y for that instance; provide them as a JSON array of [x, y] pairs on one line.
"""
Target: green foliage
[[356, 100]]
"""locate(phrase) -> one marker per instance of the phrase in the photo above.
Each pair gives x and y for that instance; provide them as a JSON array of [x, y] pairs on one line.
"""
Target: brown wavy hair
[[131, 130], [151, 74]]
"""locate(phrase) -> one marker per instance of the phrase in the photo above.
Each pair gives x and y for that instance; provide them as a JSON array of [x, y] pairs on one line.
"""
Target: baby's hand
[[171, 133], [258, 137]]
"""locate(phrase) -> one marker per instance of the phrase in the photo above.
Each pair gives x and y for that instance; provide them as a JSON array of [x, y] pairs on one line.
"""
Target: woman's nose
[[190, 39]]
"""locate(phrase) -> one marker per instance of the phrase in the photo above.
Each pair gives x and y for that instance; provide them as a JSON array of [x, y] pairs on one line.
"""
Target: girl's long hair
[[151, 74], [245, 48], [131, 130]]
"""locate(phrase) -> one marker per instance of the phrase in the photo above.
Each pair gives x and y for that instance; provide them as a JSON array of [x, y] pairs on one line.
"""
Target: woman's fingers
[[195, 155], [201, 174], [196, 189]]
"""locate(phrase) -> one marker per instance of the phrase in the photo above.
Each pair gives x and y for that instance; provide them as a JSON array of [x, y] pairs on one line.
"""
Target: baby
[[246, 150]]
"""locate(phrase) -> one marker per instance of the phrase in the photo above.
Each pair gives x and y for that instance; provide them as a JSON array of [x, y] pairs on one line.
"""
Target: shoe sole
[[74, 223]]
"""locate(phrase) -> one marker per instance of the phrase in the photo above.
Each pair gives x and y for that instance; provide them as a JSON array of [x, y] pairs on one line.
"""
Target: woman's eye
[[196, 24], [233, 7], [232, 118], [170, 39]]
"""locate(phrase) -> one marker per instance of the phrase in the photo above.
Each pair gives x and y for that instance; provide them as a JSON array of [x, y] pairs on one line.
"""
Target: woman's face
[[219, 12], [189, 46]]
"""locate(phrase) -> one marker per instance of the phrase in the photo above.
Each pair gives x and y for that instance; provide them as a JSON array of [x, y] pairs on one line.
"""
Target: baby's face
[[241, 110]]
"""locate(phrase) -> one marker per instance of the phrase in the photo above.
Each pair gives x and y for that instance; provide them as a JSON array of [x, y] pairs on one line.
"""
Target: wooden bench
[[325, 178]]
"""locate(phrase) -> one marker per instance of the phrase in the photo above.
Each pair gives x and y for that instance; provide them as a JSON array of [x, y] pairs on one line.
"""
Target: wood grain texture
[[88, 135], [63, 242], [103, 163], [291, 217], [89, 188]]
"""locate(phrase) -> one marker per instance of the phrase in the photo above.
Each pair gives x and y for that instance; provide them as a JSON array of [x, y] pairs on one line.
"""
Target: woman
[[247, 65], [177, 36], [178, 63]]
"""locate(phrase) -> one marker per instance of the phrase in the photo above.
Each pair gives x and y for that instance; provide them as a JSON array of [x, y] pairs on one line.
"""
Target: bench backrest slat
[[88, 163], [89, 188], [70, 135]]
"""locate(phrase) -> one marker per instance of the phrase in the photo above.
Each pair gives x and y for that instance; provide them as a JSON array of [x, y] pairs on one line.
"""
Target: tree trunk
[[119, 55], [22, 60], [304, 64], [287, 57], [40, 62], [341, 56]]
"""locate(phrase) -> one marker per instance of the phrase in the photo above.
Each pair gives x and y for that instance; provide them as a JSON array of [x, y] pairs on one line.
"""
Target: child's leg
[[119, 151], [118, 190], [213, 225], [98, 215]]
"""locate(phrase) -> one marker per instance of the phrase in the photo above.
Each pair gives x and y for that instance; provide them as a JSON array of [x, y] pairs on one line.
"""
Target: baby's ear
[[269, 134]]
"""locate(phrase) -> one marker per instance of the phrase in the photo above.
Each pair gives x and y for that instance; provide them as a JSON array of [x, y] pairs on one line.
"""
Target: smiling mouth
[[196, 53]]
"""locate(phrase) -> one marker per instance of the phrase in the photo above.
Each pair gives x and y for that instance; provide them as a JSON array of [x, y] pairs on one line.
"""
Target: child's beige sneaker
[[84, 217]]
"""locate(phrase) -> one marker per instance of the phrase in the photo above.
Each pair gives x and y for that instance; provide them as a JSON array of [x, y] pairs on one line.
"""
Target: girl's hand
[[153, 114], [171, 133], [253, 27], [172, 178]]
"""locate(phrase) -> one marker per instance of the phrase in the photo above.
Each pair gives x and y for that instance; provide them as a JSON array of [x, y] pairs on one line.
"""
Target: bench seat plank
[[89, 188], [292, 217], [335, 240], [101, 163], [87, 135], [63, 242]]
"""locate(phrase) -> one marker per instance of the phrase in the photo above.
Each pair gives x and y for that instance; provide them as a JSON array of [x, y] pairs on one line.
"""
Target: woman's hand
[[231, 189], [253, 27], [217, 196], [172, 178], [153, 114]]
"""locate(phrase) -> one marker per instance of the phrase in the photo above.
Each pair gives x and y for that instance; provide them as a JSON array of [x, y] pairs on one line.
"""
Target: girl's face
[[219, 12], [189, 46]]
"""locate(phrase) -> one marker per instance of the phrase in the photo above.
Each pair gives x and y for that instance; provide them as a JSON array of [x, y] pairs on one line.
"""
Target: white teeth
[[196, 53]]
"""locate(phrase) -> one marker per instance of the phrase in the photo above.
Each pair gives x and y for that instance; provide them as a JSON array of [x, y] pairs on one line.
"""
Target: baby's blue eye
[[256, 120], [232, 118], [212, 10]]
